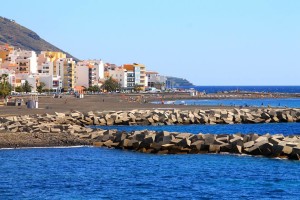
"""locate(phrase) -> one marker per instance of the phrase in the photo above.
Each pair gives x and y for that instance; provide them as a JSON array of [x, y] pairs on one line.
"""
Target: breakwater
[[186, 143], [197, 116], [71, 129]]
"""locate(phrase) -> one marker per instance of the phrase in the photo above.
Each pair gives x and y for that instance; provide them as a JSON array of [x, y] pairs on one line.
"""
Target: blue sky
[[232, 42]]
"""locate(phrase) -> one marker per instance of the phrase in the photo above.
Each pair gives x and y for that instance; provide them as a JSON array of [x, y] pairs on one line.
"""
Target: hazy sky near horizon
[[211, 42]]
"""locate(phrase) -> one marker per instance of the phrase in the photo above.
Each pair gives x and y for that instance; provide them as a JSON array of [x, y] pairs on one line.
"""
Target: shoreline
[[63, 123], [49, 147], [72, 129], [108, 102]]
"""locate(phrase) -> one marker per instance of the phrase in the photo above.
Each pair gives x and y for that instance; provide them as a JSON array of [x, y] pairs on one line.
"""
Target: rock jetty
[[186, 143], [211, 116], [63, 129]]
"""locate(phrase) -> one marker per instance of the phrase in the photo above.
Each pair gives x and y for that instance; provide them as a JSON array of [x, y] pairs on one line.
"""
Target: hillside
[[178, 82], [21, 37]]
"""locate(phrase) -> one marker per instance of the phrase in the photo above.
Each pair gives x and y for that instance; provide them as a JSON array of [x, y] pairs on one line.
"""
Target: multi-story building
[[47, 57], [66, 69], [33, 80], [5, 51], [155, 80], [120, 75], [89, 73], [136, 75], [21, 61], [11, 76], [52, 82], [46, 68], [27, 62], [141, 79]]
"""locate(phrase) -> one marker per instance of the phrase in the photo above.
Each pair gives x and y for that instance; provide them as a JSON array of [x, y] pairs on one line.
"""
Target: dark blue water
[[272, 128], [287, 102], [100, 173], [276, 89]]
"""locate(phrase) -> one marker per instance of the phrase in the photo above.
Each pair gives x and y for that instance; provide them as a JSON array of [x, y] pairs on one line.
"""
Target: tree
[[137, 88], [5, 87], [26, 87], [19, 89], [110, 85], [40, 87], [159, 85], [94, 88]]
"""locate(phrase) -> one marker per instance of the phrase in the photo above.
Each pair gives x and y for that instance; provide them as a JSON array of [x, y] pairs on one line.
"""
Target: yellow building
[[54, 55], [66, 69]]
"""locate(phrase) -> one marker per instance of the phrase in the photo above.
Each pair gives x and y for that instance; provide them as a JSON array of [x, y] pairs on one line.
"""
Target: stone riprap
[[74, 124], [211, 116], [186, 143]]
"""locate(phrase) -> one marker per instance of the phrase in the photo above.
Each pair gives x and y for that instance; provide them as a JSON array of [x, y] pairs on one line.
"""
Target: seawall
[[69, 129], [186, 143], [197, 116]]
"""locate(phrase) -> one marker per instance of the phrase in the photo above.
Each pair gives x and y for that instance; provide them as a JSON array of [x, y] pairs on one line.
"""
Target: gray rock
[[248, 144]]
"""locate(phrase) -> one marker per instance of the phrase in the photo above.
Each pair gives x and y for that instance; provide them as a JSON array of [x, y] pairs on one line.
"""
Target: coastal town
[[55, 72]]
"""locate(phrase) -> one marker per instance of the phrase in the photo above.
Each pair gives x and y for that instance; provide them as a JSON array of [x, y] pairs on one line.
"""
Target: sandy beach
[[118, 102], [102, 102]]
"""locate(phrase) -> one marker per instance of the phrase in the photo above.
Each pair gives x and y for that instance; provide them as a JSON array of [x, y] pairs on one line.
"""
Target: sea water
[[272, 128], [279, 102], [273, 89], [101, 173]]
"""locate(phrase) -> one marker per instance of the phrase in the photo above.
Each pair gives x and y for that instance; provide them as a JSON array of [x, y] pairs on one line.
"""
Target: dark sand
[[102, 102], [120, 102]]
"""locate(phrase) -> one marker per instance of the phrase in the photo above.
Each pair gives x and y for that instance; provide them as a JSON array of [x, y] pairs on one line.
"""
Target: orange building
[[4, 51]]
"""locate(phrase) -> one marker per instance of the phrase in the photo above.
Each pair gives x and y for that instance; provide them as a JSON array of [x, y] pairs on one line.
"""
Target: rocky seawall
[[197, 116], [69, 129], [186, 143]]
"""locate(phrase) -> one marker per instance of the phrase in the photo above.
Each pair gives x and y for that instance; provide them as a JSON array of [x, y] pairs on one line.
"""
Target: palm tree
[[110, 85], [26, 87], [5, 87]]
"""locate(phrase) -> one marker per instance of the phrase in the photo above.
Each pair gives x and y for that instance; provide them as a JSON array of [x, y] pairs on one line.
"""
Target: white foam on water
[[54, 147]]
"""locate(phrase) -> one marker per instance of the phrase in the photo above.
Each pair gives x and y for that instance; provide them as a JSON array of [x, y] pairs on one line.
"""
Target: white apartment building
[[89, 73], [11, 78], [155, 80], [27, 61], [21, 61], [31, 78], [46, 68], [120, 75], [51, 82]]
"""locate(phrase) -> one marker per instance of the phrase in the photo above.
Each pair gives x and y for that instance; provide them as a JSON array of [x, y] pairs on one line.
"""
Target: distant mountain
[[178, 82], [21, 37]]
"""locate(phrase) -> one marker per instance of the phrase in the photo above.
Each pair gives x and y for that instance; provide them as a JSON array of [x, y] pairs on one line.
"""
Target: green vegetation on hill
[[18, 36], [178, 82]]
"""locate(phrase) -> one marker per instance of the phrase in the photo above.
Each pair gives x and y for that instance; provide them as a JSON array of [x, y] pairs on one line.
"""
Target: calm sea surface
[[278, 89], [100, 173], [287, 102], [272, 128]]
